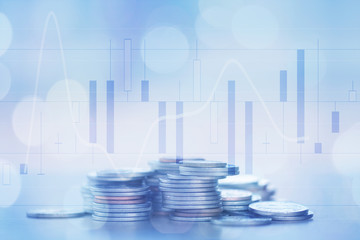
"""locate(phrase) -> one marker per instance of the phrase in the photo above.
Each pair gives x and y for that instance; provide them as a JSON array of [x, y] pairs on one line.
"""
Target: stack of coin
[[193, 194], [281, 211], [234, 200], [251, 183], [161, 168], [120, 195], [87, 198]]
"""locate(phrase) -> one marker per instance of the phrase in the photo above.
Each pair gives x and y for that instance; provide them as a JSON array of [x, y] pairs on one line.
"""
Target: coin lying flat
[[235, 195], [203, 164], [119, 219], [55, 213], [278, 209], [294, 218], [189, 219], [241, 221]]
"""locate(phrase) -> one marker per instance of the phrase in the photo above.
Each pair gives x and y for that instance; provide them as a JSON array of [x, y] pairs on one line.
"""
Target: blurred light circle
[[5, 33], [346, 152], [5, 80], [213, 27], [255, 27], [167, 49], [26, 130]]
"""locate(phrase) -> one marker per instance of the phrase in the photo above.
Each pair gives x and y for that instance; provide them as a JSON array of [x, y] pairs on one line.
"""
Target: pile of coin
[[281, 211], [120, 195], [87, 198], [193, 194], [161, 168], [251, 183], [234, 200]]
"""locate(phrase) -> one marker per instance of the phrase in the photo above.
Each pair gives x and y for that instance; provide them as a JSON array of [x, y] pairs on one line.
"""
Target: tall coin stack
[[251, 183], [193, 194], [161, 168], [120, 195]]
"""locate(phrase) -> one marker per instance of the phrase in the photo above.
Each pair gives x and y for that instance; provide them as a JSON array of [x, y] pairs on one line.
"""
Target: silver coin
[[118, 219], [278, 209], [236, 203], [241, 221], [119, 173], [235, 208], [189, 219], [172, 206], [182, 177], [191, 194], [239, 182], [55, 213], [93, 177], [188, 181], [235, 195], [189, 185], [121, 206], [254, 198], [187, 198], [121, 210], [178, 160], [188, 190], [119, 189], [205, 210], [294, 218], [203, 164], [206, 170], [212, 174], [174, 202], [122, 215], [184, 214], [120, 194]]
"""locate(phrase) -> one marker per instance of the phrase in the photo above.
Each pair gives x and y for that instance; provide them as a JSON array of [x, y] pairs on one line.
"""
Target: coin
[[190, 198], [175, 202], [191, 194], [241, 221], [207, 210], [278, 209], [119, 173], [188, 190], [203, 164], [189, 185], [122, 215], [118, 198], [119, 219], [235, 195], [136, 201], [173, 206], [294, 218], [182, 177], [189, 219], [120, 194], [55, 213]]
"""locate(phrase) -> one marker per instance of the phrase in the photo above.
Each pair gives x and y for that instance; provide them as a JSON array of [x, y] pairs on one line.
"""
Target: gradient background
[[73, 38]]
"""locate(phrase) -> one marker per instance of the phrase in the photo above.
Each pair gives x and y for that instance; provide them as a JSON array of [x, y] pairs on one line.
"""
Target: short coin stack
[[193, 194], [251, 183], [120, 195], [87, 198], [234, 200], [281, 211]]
